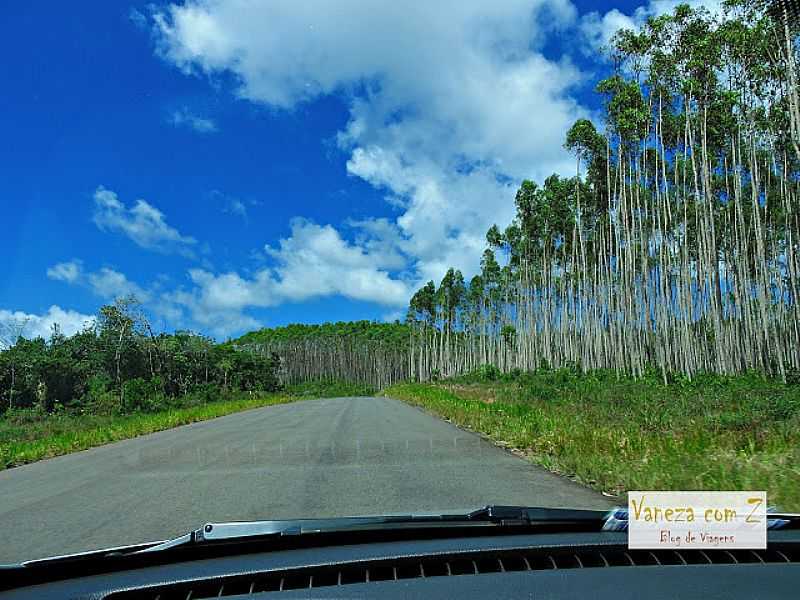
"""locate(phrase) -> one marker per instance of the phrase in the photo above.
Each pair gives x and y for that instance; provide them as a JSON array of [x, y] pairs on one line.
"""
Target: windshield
[[290, 259]]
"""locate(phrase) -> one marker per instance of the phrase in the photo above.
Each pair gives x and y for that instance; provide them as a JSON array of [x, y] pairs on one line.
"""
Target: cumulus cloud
[[70, 271], [317, 261], [203, 306], [451, 103], [214, 303], [445, 219], [143, 223], [186, 118], [105, 283], [600, 28], [314, 261], [13, 323], [110, 285]]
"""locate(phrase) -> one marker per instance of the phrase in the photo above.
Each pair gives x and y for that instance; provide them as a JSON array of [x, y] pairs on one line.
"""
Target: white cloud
[[214, 303], [599, 29], [314, 261], [105, 283], [381, 237], [110, 285], [451, 104], [186, 118], [69, 271], [204, 307], [33, 326], [143, 223], [445, 220]]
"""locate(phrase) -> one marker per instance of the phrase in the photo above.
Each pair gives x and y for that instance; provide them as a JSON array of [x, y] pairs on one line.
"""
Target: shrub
[[204, 393], [792, 376], [142, 395], [488, 373], [99, 398], [25, 416], [513, 375]]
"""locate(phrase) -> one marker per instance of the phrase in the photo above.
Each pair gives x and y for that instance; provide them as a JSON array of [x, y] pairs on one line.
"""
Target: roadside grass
[[714, 433], [27, 436]]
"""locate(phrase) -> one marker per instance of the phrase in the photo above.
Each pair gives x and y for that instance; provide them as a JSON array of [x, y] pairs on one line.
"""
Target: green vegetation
[[329, 389], [117, 379], [118, 365], [28, 435], [374, 354], [618, 434], [675, 246]]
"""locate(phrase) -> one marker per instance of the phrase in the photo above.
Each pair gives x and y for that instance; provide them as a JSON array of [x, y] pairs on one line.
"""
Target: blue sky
[[240, 164]]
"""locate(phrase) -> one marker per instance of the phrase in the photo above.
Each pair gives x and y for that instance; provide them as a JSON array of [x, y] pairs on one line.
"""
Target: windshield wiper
[[521, 517], [488, 516], [244, 531]]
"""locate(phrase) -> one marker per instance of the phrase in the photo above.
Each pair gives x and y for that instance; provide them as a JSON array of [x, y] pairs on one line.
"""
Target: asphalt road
[[315, 458]]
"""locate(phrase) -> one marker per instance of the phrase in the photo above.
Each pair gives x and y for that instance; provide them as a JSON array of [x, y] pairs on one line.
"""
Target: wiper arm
[[488, 516], [537, 514]]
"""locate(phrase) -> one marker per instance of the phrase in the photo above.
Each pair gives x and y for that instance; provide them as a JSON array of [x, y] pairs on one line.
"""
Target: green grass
[[618, 435], [27, 437], [330, 389]]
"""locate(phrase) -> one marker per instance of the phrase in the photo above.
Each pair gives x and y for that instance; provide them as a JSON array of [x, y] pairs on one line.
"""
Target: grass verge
[[737, 433], [25, 440]]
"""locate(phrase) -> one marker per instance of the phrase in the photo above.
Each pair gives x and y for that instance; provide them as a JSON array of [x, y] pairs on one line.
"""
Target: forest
[[674, 247], [120, 365], [375, 354]]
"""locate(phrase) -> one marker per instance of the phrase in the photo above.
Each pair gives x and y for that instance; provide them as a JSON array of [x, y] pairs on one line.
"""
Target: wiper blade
[[488, 516], [538, 514]]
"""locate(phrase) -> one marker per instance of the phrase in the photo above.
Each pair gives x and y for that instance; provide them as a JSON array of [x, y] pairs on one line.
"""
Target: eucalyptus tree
[[376, 354], [11, 331], [675, 247]]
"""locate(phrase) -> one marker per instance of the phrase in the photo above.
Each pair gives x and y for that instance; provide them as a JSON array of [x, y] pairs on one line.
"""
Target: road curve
[[315, 458]]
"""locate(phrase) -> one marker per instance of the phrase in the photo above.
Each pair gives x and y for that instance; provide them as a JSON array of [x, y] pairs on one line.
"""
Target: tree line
[[119, 364], [375, 354], [675, 246]]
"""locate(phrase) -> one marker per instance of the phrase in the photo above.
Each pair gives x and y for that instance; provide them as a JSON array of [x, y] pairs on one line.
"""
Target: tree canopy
[[119, 364], [675, 246]]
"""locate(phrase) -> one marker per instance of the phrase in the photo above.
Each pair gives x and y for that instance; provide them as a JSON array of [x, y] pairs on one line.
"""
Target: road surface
[[314, 458]]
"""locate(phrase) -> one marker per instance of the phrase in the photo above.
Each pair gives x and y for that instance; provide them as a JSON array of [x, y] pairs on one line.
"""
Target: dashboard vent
[[445, 566]]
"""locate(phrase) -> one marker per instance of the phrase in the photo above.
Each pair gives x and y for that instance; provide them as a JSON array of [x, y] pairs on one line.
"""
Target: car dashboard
[[553, 566]]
